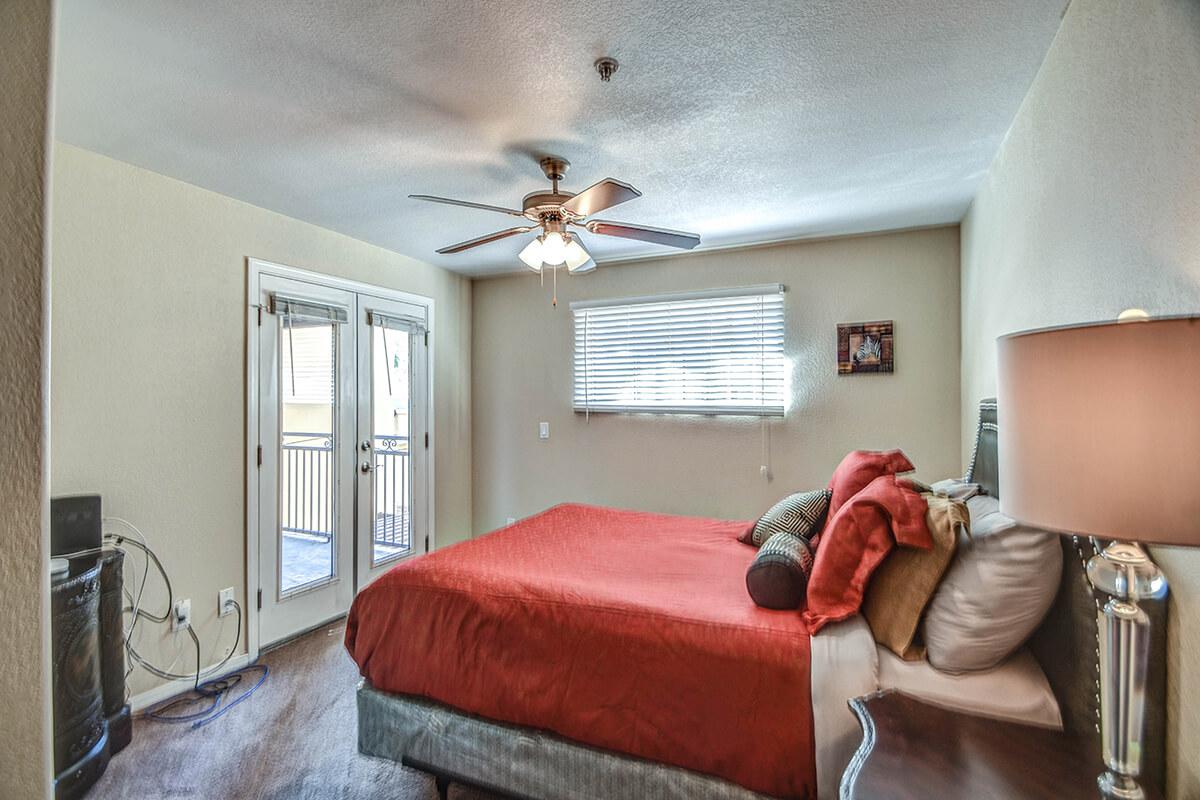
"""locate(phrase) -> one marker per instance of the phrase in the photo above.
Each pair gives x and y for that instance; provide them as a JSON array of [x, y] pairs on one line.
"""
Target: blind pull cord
[[587, 377], [387, 359], [287, 318]]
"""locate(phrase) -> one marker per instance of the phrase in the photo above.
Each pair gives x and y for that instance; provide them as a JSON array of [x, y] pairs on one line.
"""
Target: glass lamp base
[[1119, 787], [1126, 574]]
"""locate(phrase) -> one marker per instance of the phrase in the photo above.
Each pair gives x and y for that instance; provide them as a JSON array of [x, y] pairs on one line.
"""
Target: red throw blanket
[[622, 630], [855, 541]]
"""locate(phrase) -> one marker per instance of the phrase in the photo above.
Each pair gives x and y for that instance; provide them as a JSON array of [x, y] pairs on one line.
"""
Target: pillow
[[778, 576], [861, 467], [957, 489], [801, 514], [1000, 585], [903, 584], [856, 539]]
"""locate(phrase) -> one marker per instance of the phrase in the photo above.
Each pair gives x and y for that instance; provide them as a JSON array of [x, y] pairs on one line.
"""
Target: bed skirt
[[516, 761]]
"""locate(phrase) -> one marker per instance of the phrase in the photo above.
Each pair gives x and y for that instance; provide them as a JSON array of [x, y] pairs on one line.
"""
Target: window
[[713, 352]]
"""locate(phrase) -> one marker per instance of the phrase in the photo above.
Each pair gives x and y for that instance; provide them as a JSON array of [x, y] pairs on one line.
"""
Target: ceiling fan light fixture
[[550, 214], [532, 255], [554, 249], [575, 256]]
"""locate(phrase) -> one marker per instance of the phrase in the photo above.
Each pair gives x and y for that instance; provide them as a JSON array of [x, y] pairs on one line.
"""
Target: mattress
[[620, 630]]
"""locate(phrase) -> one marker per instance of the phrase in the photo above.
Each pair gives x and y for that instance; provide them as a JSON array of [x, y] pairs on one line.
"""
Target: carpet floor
[[294, 739]]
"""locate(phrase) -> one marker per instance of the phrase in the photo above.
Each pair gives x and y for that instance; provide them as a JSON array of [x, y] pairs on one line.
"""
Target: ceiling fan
[[554, 212]]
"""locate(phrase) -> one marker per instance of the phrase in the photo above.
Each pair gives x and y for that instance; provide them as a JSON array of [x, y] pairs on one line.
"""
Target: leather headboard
[[1067, 643], [985, 461]]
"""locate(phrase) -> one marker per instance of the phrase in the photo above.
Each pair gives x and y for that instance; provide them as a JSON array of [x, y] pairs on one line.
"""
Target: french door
[[342, 443]]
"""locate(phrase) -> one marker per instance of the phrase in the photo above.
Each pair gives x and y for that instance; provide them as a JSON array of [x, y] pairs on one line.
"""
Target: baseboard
[[169, 689]]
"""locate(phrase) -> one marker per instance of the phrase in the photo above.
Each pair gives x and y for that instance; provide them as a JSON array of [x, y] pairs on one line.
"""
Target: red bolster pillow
[[855, 542]]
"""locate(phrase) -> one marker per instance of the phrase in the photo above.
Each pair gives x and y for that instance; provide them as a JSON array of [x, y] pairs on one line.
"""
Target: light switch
[[543, 430]]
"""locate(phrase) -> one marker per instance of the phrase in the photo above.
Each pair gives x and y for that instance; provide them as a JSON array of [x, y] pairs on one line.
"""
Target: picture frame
[[866, 347]]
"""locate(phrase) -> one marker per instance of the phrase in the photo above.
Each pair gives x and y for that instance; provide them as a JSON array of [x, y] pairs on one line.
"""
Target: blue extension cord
[[218, 690]]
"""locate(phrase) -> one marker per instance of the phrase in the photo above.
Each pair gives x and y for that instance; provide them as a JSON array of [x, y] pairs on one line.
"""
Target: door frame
[[255, 269]]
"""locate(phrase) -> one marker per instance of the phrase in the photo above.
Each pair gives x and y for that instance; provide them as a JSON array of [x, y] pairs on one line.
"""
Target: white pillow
[[1000, 585], [956, 489]]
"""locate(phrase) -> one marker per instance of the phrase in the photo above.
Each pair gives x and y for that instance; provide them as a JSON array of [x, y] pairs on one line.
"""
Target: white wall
[[1093, 206], [25, 753], [710, 465], [148, 347]]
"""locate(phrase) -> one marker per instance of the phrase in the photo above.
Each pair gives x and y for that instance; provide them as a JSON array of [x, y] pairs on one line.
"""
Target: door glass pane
[[391, 534], [307, 482]]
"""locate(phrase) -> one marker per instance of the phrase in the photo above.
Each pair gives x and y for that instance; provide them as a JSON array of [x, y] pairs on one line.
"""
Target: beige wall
[[148, 404], [710, 465], [25, 37], [1093, 206]]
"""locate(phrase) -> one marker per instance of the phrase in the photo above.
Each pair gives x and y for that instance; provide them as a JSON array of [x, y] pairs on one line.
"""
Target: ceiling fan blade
[[491, 237], [466, 203], [599, 196], [681, 239]]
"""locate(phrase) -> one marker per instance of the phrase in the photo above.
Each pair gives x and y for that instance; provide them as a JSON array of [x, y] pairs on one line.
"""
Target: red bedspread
[[623, 630]]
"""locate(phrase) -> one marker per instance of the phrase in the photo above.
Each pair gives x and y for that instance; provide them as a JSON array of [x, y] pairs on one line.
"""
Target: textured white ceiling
[[741, 121]]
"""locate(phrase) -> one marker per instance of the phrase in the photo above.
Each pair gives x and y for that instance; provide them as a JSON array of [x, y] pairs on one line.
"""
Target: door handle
[[365, 446], [366, 467]]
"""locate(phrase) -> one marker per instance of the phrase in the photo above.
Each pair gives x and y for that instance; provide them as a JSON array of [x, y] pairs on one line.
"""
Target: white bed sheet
[[844, 665]]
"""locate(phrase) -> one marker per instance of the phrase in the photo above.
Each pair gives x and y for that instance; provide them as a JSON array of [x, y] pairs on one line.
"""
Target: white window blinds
[[713, 352]]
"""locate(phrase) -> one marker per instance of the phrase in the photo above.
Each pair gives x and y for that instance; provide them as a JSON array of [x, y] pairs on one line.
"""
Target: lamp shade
[[1099, 429], [532, 255]]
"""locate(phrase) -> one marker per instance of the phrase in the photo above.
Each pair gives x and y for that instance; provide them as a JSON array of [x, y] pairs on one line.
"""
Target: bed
[[590, 652]]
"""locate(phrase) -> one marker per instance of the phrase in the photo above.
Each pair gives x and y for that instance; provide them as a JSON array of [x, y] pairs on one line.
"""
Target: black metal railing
[[307, 485], [393, 520]]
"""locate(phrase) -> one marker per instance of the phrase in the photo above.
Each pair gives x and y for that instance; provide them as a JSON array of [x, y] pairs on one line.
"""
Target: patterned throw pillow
[[778, 576], [801, 514]]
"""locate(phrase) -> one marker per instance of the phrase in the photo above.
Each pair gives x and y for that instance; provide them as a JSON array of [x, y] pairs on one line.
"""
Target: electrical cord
[[217, 690], [149, 554], [198, 673], [139, 613]]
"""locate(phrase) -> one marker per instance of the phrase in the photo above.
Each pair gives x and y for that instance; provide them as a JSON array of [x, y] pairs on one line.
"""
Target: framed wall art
[[866, 347]]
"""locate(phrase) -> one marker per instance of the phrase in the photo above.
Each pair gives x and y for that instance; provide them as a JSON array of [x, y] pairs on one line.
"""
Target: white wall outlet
[[543, 430], [225, 602], [181, 616]]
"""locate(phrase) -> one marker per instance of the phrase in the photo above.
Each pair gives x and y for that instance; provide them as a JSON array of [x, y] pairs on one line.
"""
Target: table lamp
[[1099, 434]]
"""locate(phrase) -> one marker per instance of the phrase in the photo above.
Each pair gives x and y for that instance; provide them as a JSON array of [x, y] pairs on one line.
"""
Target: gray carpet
[[295, 738]]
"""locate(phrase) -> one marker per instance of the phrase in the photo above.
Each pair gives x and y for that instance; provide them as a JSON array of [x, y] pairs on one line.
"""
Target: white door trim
[[255, 269]]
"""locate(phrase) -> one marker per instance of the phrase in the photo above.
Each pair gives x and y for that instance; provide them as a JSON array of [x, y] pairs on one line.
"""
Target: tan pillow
[[904, 583]]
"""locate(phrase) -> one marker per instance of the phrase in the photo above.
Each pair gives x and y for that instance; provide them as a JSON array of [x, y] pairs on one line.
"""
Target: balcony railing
[[393, 517], [306, 501]]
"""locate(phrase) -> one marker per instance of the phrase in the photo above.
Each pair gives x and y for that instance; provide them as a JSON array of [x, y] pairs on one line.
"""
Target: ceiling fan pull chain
[[554, 300]]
